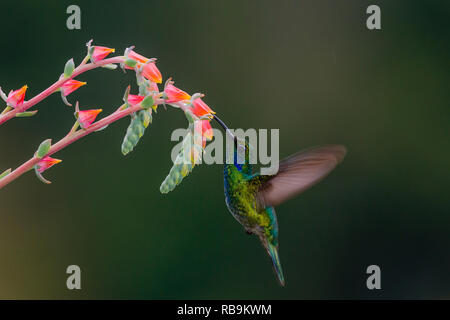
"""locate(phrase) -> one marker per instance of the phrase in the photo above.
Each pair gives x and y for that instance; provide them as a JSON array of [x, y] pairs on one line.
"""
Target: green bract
[[69, 67], [26, 114], [147, 102], [131, 63], [44, 148]]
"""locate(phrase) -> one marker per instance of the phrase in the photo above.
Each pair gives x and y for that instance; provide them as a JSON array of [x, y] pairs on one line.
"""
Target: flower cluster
[[139, 106], [149, 77]]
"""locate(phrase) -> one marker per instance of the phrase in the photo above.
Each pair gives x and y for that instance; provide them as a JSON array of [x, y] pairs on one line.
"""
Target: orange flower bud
[[70, 86], [46, 163], [87, 117], [100, 53]]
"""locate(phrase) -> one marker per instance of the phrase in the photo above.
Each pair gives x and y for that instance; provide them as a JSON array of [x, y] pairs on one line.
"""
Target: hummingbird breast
[[240, 198]]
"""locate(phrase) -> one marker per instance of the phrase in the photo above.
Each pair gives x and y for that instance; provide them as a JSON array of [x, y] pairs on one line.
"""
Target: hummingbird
[[251, 197]]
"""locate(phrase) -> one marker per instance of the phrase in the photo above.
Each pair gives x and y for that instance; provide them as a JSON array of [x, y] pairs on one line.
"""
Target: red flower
[[46, 163], [154, 87], [87, 117], [174, 94], [151, 72], [16, 98], [136, 56], [70, 86], [204, 128], [201, 109], [134, 99], [207, 130], [100, 53]]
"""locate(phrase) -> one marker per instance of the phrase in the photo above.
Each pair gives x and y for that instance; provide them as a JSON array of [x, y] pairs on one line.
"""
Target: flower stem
[[83, 67], [72, 137]]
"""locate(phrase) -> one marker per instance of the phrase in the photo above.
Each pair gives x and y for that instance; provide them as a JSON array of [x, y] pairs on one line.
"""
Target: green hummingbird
[[251, 197]]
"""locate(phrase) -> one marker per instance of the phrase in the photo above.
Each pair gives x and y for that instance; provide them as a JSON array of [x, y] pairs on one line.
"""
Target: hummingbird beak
[[224, 126]]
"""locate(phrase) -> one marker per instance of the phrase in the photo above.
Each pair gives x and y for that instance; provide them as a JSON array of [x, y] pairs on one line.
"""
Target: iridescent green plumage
[[251, 197], [241, 189]]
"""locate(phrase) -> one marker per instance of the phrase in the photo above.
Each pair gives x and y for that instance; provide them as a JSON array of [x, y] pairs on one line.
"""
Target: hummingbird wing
[[298, 173]]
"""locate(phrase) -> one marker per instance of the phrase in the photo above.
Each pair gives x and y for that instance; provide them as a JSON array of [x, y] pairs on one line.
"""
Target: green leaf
[[130, 62], [147, 102], [26, 114], [5, 173], [136, 130], [44, 148], [68, 68]]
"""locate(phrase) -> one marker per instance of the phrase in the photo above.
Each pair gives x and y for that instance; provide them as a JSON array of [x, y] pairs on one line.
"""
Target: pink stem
[[71, 138], [44, 94]]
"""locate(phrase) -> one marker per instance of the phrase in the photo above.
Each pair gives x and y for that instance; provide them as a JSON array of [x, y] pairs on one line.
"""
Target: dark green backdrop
[[311, 69]]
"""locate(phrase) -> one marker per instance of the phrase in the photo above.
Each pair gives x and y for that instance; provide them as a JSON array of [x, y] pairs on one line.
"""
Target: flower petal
[[207, 130], [100, 53], [87, 117], [204, 128], [15, 98], [200, 108], [70, 86], [151, 72], [134, 99], [136, 56], [46, 163], [175, 94]]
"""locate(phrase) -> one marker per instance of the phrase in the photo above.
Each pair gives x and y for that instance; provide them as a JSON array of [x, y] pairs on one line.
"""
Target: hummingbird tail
[[273, 252]]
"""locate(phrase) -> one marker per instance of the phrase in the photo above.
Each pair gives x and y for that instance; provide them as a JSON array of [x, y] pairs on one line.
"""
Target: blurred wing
[[299, 172]]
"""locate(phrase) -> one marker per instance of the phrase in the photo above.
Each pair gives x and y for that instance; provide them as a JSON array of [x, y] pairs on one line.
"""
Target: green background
[[311, 69]]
